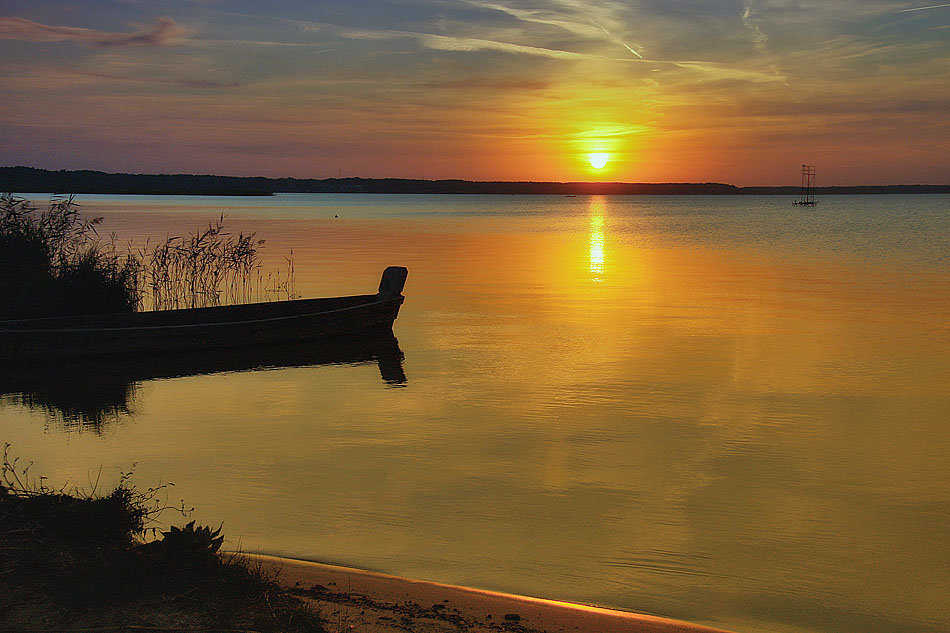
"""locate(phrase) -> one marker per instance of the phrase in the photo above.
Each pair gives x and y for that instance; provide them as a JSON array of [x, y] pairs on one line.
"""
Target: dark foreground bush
[[52, 263], [71, 559]]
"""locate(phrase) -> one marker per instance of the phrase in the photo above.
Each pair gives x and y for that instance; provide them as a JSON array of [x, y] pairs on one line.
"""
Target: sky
[[734, 91]]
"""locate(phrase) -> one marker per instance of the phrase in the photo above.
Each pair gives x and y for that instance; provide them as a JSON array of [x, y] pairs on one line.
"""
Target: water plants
[[53, 262], [205, 268]]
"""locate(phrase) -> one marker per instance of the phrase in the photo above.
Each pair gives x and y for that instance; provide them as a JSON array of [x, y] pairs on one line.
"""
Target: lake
[[728, 410]]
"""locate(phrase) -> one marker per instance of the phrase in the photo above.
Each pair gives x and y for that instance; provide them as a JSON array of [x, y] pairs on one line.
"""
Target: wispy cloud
[[752, 19], [212, 43], [595, 30], [933, 6], [187, 83], [486, 83], [718, 71], [712, 70], [450, 42], [622, 43], [165, 31], [613, 131], [602, 132], [454, 43], [585, 28]]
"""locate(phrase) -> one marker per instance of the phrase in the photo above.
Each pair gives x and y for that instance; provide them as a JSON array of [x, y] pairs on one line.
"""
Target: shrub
[[52, 263], [80, 561]]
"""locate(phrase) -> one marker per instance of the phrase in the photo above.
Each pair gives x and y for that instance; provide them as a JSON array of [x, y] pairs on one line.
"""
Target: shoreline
[[373, 602], [23, 179]]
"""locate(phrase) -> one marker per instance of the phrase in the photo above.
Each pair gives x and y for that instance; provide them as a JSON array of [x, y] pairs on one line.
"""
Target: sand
[[370, 602]]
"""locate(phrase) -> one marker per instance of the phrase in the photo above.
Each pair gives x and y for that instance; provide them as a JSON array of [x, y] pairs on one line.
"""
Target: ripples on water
[[722, 409]]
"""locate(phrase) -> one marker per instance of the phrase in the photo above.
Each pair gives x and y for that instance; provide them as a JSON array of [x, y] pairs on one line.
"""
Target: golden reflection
[[596, 248]]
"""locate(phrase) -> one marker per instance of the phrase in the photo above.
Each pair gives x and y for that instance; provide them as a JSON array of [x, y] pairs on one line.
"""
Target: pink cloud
[[165, 31]]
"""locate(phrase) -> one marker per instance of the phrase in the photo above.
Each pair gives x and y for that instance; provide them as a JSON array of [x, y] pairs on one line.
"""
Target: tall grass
[[53, 262], [205, 268]]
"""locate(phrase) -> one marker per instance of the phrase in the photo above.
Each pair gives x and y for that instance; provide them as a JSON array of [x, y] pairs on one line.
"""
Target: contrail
[[935, 6], [632, 51], [611, 36]]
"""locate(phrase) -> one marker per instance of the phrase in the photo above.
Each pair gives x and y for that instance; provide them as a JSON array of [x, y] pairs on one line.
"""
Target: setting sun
[[598, 159]]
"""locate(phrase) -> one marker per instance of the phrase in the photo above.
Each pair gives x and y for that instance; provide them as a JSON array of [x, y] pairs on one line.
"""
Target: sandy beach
[[353, 599]]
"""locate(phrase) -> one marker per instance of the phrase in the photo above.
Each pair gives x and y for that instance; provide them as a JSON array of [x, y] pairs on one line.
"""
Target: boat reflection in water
[[85, 393]]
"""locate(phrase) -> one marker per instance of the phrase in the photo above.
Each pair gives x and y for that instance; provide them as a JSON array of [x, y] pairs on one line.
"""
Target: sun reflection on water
[[597, 251]]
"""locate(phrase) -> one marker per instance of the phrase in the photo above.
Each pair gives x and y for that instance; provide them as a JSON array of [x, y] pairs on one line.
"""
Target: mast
[[807, 197]]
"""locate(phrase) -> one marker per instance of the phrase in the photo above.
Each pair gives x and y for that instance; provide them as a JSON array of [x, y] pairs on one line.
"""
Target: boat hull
[[279, 322]]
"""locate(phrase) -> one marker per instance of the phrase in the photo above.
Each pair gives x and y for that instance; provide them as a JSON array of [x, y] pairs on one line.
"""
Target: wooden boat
[[212, 328]]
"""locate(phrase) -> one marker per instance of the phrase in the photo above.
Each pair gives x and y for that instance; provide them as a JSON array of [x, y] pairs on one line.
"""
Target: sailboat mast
[[807, 198]]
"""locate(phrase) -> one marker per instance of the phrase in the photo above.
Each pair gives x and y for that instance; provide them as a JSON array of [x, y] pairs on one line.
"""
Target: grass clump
[[54, 263], [208, 267], [71, 559]]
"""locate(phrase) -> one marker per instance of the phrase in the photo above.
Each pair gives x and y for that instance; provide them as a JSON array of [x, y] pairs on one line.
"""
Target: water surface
[[728, 410]]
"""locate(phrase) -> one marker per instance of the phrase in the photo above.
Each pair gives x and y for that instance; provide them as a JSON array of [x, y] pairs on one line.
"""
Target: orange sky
[[739, 91]]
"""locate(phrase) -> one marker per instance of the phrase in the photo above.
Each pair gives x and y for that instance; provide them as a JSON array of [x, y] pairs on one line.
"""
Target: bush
[[83, 560], [52, 263]]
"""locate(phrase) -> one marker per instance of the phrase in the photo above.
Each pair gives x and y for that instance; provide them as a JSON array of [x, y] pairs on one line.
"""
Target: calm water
[[726, 410]]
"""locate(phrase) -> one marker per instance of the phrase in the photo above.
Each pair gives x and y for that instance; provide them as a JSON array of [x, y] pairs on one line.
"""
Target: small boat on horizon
[[211, 328]]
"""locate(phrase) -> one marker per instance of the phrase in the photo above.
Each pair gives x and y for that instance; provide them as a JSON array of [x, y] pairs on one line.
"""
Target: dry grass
[[54, 262], [72, 560]]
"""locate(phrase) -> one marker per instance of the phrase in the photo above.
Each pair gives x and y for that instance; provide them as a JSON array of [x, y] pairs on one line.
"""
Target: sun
[[598, 159]]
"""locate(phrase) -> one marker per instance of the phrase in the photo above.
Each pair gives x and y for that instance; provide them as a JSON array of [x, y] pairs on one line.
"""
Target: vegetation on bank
[[53, 262], [76, 560]]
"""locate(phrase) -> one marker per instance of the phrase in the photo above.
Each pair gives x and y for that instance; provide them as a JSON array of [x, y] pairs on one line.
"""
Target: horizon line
[[466, 180]]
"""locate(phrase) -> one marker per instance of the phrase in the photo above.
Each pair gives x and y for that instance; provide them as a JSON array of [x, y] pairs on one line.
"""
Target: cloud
[[600, 133], [450, 42], [467, 43], [484, 83], [933, 6], [725, 72], [585, 28], [453, 43], [715, 71], [165, 31], [187, 83], [751, 19]]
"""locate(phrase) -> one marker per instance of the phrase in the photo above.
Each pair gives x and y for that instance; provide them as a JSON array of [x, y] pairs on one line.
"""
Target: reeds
[[54, 262], [206, 268], [210, 267]]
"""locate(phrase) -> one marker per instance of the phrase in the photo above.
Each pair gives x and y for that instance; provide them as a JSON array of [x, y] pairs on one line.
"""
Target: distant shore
[[23, 180]]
